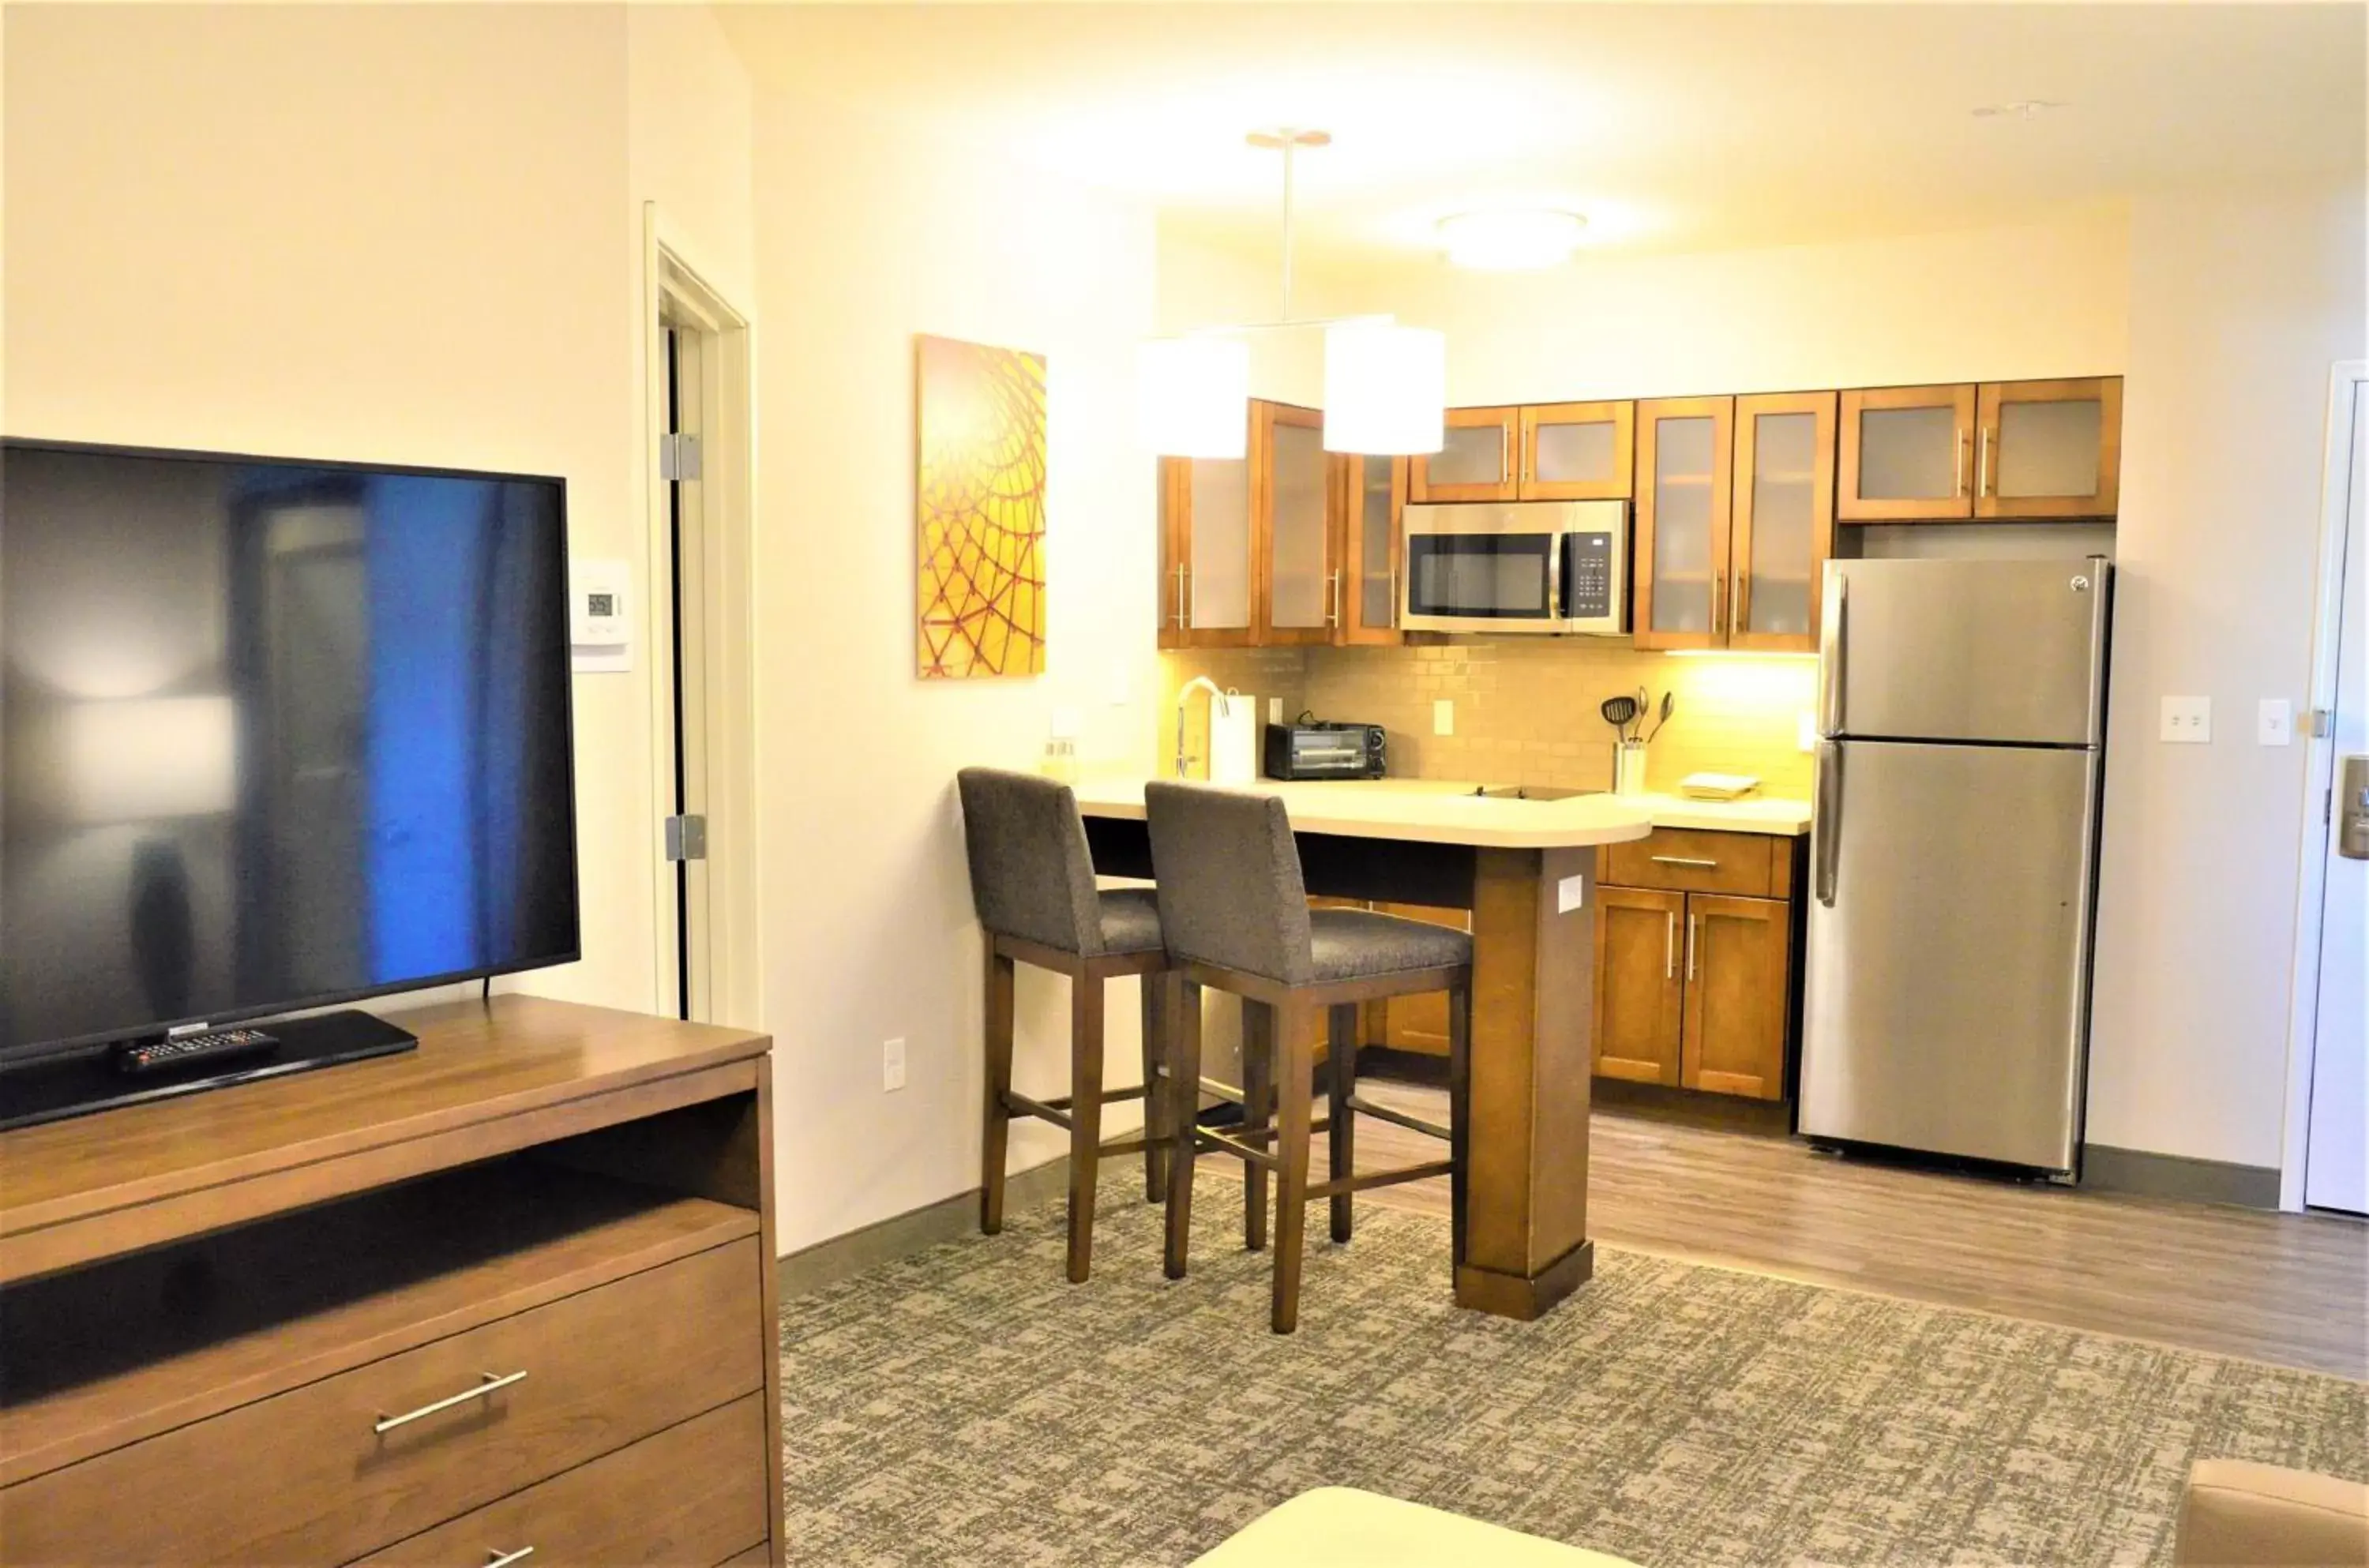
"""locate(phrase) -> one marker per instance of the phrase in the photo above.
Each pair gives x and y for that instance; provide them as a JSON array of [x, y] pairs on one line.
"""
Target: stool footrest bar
[[1365, 1107], [1381, 1179]]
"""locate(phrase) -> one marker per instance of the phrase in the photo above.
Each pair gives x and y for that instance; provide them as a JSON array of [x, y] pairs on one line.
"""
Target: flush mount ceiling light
[[2018, 109], [1510, 240], [1385, 385]]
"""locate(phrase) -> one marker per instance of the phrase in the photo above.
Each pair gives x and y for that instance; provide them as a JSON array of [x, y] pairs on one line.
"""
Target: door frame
[[2348, 388], [676, 294]]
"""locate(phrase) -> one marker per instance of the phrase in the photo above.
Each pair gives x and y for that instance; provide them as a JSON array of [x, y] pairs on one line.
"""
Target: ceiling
[[1671, 127]]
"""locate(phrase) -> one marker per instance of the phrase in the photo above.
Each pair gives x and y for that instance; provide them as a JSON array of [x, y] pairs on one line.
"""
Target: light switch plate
[[2188, 721], [2274, 725], [1443, 715], [1275, 710], [892, 1065]]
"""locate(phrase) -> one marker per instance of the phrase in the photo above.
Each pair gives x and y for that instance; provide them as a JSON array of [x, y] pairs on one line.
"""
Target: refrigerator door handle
[[1827, 819], [1830, 653]]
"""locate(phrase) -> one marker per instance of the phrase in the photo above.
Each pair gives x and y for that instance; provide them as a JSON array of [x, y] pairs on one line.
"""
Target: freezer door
[[1965, 650], [1949, 949]]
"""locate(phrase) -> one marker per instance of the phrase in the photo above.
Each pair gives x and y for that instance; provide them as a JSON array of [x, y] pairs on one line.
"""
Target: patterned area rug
[[967, 1406]]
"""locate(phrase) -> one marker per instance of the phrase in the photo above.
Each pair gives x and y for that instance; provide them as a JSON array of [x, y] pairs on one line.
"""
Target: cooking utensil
[[1618, 712], [1669, 700]]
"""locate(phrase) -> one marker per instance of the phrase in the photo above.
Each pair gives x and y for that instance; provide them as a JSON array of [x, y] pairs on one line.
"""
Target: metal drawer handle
[[497, 1558], [494, 1380], [1670, 947], [1686, 861], [1694, 941]]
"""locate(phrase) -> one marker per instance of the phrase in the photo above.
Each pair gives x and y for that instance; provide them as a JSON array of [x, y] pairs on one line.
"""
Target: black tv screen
[[273, 734]]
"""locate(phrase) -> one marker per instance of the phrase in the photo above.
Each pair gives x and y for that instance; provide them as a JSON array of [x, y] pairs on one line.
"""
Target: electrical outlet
[[2188, 720], [1443, 715], [892, 1065], [1275, 710], [2274, 725]]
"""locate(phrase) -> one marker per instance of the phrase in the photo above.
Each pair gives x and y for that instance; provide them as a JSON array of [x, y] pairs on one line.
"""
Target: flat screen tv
[[274, 735]]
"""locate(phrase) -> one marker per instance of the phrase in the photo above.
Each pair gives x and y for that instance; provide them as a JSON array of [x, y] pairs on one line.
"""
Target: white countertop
[[1446, 812]]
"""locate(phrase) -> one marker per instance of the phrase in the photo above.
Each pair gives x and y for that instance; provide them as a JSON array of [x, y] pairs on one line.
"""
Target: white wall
[[2225, 313], [410, 234], [2238, 308], [868, 235]]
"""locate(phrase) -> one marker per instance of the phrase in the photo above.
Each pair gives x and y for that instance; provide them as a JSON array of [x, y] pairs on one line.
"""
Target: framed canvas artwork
[[979, 500]]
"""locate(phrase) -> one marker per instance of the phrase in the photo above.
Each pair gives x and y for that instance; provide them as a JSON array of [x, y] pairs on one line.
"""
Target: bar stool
[[1032, 880], [1234, 908]]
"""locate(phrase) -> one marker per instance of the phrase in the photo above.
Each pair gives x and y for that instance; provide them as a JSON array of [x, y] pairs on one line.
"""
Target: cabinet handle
[[1735, 604], [1394, 596], [497, 1558], [1180, 596], [494, 1380], [1718, 597], [1958, 465], [1983, 466], [1670, 946], [1685, 861], [1694, 942], [1332, 600]]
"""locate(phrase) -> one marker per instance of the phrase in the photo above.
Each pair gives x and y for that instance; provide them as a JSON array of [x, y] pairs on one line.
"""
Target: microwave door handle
[[1831, 649], [1555, 609]]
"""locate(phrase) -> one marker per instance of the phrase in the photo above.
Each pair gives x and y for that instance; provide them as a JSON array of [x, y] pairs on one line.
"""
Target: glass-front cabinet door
[[1372, 498], [1206, 563], [1685, 460], [1577, 452], [2049, 449], [1291, 485], [1478, 461], [1907, 454], [1783, 525]]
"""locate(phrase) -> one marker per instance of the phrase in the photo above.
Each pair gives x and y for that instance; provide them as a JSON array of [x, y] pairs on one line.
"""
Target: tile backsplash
[[1526, 709]]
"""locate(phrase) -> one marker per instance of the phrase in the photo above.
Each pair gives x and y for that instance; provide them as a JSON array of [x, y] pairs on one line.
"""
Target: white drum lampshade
[[1194, 396], [1385, 389]]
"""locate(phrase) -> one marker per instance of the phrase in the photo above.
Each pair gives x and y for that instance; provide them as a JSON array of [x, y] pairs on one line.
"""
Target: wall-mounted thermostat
[[599, 624]]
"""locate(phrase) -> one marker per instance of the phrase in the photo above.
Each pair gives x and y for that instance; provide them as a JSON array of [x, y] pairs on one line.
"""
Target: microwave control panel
[[1587, 572]]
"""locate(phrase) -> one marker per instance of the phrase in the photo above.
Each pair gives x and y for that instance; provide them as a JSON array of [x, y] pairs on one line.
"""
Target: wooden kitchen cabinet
[[1294, 518], [1993, 451], [1479, 462], [1640, 998], [1208, 566], [1370, 499], [1420, 1022], [2049, 449], [1781, 525], [1577, 452], [1694, 970], [1685, 469]]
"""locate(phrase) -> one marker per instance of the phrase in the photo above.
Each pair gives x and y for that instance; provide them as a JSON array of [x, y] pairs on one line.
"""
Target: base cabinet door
[[1639, 990], [1738, 955]]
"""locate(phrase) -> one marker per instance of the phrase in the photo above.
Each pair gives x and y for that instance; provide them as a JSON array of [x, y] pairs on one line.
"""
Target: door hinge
[[686, 838], [2319, 723], [679, 457]]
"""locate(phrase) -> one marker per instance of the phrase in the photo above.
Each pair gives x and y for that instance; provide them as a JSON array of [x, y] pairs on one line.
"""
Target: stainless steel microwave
[[1550, 567]]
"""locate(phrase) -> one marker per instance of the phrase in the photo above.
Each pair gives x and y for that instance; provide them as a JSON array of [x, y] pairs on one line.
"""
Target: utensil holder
[[1628, 767]]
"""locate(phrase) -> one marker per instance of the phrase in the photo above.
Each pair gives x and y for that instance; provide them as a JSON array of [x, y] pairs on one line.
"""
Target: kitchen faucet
[[1217, 699]]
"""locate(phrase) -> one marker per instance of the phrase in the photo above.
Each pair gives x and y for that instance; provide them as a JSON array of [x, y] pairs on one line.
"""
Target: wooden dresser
[[505, 1299]]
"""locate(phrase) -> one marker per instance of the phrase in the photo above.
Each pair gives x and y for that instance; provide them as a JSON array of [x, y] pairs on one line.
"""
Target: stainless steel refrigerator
[[1953, 856]]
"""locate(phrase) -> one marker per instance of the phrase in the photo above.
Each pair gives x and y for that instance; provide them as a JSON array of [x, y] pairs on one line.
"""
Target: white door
[[2336, 1166]]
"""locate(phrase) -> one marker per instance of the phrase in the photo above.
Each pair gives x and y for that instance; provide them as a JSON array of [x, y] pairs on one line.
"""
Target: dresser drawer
[[691, 1498], [1689, 859], [308, 1476]]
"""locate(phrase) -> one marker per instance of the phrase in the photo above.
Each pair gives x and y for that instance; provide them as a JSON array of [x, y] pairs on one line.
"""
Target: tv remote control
[[186, 1049]]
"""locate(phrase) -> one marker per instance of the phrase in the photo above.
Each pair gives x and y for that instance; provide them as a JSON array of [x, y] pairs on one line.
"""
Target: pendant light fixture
[[1385, 385]]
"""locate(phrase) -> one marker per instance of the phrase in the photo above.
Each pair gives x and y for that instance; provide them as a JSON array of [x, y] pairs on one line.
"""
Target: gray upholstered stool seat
[[1131, 921], [1032, 880], [1351, 943], [1234, 908]]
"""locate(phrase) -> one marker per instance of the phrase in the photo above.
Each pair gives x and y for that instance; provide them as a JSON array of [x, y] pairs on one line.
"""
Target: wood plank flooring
[[2286, 1289]]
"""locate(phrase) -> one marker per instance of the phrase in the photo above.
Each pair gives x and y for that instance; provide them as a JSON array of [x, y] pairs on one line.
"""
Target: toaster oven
[[1313, 749]]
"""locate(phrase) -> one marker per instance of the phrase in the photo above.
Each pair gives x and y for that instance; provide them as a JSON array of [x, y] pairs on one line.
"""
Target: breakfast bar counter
[[1525, 869]]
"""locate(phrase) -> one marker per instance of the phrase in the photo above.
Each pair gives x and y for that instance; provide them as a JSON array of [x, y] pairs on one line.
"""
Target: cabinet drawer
[[691, 1498], [306, 1476], [1689, 859]]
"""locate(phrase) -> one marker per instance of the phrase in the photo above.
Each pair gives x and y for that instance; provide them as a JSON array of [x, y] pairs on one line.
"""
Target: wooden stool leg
[[1157, 1009], [1295, 1066], [1258, 1100], [1184, 1048], [1341, 1075], [1459, 1111], [1086, 1119], [997, 1110]]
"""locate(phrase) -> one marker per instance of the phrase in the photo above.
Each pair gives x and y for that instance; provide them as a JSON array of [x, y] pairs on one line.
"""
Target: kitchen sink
[[1530, 792]]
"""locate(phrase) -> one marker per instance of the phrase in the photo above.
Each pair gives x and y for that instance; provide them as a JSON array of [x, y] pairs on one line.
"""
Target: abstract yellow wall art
[[979, 495]]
